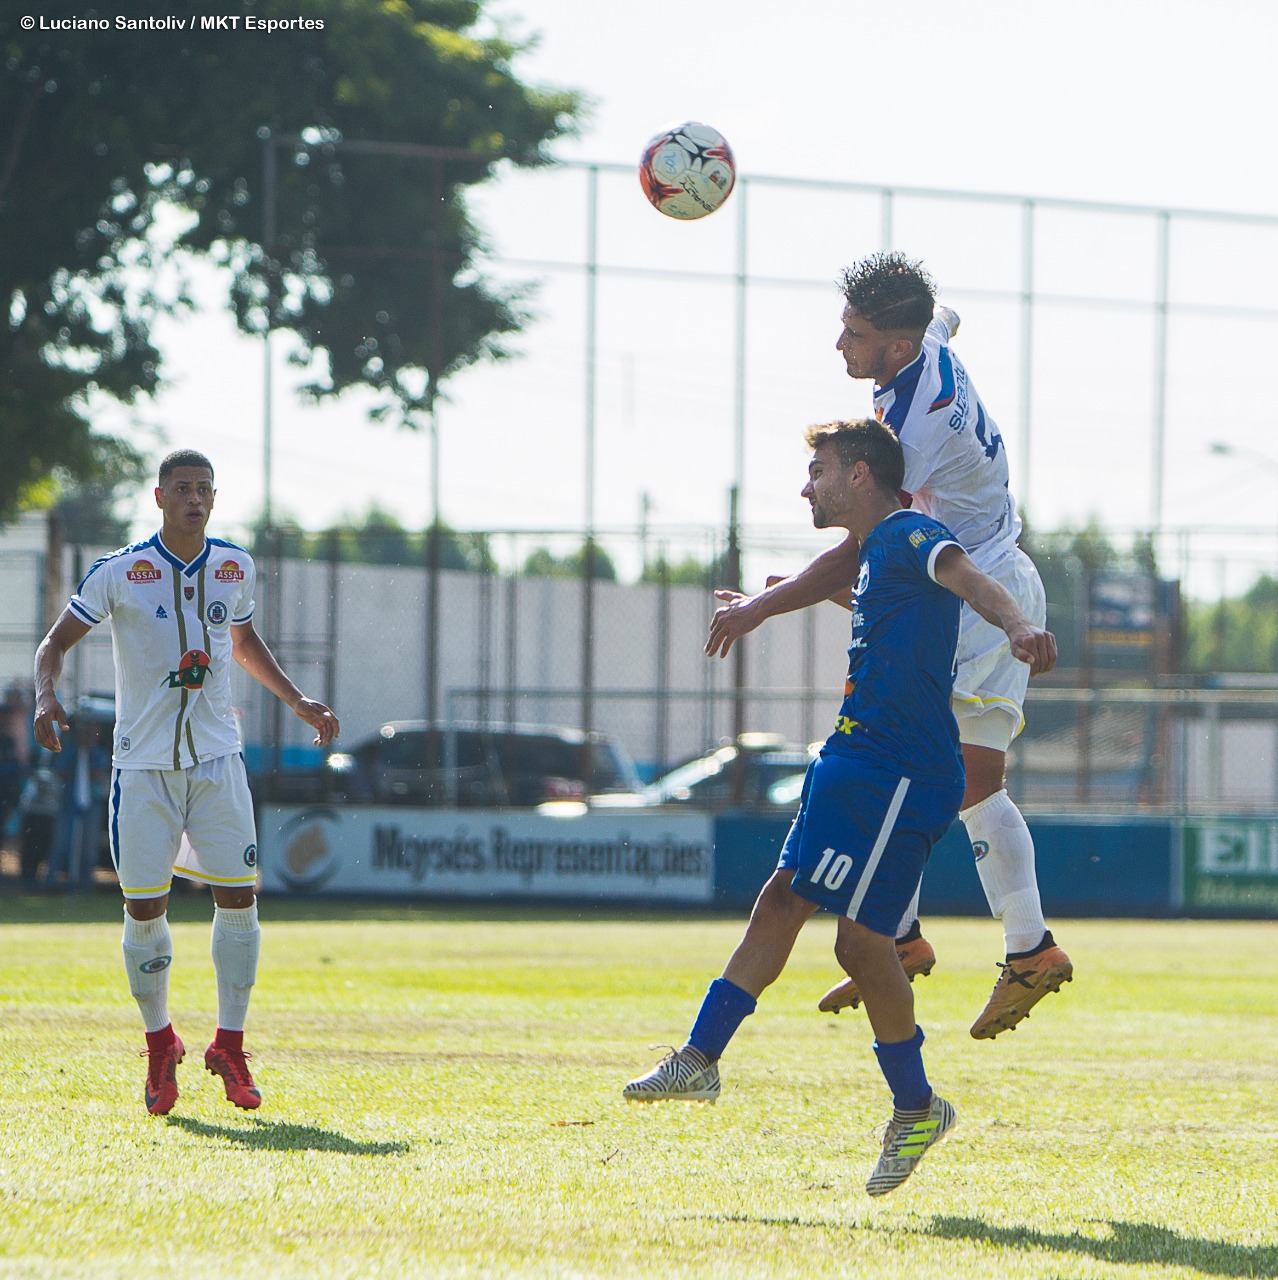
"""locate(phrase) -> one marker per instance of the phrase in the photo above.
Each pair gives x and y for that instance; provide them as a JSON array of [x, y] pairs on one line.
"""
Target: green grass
[[442, 1099]]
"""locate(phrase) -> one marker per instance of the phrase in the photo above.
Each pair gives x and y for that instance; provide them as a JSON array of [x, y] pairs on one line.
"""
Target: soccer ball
[[688, 171]]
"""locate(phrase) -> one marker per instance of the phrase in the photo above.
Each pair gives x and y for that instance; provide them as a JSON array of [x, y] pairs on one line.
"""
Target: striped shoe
[[909, 1135], [683, 1075]]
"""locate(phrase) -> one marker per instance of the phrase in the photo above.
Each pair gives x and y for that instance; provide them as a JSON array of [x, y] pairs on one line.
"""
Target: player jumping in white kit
[[181, 609], [955, 470]]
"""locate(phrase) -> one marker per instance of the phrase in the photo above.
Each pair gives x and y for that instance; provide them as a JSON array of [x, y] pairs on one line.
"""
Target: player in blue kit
[[886, 785]]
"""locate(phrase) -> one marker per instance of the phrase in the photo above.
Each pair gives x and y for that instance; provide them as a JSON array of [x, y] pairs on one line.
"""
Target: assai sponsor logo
[[229, 571], [216, 613], [156, 964], [143, 571], [192, 669]]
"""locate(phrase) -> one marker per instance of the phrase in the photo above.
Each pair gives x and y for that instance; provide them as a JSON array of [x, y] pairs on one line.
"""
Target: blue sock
[[723, 1010], [901, 1062]]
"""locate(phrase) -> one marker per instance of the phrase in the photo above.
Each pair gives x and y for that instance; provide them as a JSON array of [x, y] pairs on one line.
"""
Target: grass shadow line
[[278, 1135], [1129, 1242]]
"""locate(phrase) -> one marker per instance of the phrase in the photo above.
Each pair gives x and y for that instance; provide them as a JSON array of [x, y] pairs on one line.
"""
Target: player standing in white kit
[[181, 608]]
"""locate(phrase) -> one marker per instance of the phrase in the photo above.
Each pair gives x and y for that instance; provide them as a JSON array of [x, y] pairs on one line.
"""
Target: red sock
[[158, 1041], [229, 1040]]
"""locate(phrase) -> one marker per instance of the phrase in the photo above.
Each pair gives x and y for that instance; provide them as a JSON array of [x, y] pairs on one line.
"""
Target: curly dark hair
[[891, 291]]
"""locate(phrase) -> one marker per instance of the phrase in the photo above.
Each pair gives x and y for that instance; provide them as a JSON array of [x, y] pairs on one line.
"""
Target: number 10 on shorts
[[832, 871]]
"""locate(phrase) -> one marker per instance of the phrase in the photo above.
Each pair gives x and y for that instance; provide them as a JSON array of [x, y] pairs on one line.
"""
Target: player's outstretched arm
[[49, 713], [834, 570], [252, 653], [955, 571]]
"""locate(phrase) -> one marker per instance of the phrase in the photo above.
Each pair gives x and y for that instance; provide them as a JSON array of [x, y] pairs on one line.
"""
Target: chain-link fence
[[513, 631]]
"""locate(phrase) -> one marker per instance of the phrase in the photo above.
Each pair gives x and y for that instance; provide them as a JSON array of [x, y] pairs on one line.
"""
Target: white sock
[[236, 942], [148, 953], [1004, 852], [911, 913]]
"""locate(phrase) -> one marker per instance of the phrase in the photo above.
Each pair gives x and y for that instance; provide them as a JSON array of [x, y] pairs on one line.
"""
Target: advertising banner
[[481, 853], [1230, 864]]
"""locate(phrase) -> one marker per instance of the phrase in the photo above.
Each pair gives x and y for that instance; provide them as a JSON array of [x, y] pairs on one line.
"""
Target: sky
[[1121, 102]]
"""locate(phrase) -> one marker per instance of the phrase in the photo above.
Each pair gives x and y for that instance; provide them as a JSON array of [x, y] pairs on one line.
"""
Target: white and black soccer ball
[[688, 172]]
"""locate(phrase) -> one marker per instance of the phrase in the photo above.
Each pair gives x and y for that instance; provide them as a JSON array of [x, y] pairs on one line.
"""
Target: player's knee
[[856, 945]]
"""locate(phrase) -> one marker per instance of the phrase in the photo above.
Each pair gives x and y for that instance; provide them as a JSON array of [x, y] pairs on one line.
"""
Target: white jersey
[[955, 463], [171, 638]]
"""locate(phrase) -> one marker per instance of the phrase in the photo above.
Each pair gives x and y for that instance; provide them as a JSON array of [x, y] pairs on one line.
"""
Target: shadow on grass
[[1129, 1242], [275, 1135]]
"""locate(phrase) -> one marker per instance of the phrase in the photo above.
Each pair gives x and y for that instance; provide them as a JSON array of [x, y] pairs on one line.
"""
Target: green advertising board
[[1229, 865]]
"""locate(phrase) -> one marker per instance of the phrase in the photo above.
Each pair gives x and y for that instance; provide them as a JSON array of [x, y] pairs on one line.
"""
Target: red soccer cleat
[[232, 1066], [161, 1077]]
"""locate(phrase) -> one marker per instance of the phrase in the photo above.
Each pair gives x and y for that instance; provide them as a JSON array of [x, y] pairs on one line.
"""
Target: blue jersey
[[896, 703]]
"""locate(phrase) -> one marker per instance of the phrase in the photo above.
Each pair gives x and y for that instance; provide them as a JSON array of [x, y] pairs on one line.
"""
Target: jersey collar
[[187, 570], [904, 376]]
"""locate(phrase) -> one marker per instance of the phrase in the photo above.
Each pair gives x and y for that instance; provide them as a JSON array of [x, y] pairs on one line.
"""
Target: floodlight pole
[[268, 245], [588, 551], [1027, 346], [1163, 268], [739, 677]]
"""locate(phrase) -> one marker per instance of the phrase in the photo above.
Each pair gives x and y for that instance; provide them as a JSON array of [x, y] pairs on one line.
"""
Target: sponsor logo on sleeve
[[229, 571], [143, 571], [191, 671]]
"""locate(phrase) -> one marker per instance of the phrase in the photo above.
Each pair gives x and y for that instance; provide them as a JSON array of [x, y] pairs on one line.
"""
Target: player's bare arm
[[834, 570], [955, 571], [50, 716], [252, 653]]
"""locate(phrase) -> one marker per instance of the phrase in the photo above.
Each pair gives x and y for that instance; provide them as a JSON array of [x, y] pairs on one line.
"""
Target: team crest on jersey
[[216, 613], [143, 571], [189, 592], [191, 670], [229, 571]]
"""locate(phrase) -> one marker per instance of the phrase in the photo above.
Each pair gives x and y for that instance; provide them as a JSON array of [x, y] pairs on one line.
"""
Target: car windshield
[[678, 782]]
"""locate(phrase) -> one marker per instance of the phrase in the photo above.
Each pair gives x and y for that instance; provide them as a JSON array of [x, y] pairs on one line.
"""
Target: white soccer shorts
[[989, 689], [196, 823]]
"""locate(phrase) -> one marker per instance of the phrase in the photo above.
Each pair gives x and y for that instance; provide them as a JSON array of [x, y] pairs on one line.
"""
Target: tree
[[1237, 633], [372, 260], [541, 563]]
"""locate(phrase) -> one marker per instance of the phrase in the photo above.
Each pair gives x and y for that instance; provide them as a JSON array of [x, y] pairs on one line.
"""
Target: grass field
[[442, 1099]]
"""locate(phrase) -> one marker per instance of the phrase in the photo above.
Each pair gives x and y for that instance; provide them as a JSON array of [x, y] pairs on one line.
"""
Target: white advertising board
[[483, 853]]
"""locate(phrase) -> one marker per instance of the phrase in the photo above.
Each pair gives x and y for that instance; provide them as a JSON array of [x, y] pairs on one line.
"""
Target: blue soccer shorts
[[862, 837]]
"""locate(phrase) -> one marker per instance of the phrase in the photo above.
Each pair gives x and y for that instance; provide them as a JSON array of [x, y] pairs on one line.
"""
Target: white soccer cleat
[[909, 1135], [683, 1075]]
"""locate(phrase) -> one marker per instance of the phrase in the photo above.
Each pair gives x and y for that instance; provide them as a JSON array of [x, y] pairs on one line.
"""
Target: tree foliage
[[543, 563], [1238, 633], [377, 538], [372, 257]]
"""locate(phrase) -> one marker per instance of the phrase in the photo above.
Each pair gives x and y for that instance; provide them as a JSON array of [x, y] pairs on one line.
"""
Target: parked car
[[473, 766], [710, 781]]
